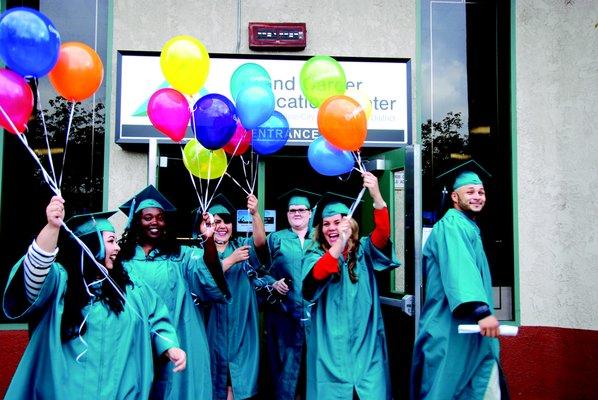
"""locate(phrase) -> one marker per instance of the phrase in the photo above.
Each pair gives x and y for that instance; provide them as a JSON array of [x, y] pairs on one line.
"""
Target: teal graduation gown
[[286, 322], [233, 330], [174, 279], [117, 360], [447, 364], [346, 345]]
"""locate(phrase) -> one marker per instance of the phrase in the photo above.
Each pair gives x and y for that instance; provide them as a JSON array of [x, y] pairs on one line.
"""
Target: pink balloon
[[169, 112], [16, 99], [241, 135]]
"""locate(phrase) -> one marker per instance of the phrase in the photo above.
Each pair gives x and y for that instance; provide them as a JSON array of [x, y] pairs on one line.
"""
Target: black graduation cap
[[84, 224], [148, 197], [332, 203], [297, 196], [469, 172]]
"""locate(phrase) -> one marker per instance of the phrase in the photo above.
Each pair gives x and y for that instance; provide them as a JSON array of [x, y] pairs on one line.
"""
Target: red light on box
[[286, 36]]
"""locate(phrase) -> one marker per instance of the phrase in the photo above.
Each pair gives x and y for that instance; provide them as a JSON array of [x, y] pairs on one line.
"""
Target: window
[[465, 108], [24, 192]]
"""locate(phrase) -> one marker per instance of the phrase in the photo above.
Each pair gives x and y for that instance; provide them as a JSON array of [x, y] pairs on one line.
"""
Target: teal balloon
[[327, 159], [255, 104], [249, 74]]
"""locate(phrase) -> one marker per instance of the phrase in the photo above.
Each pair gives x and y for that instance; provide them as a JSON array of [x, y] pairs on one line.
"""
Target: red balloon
[[342, 121], [16, 100], [78, 73], [242, 137]]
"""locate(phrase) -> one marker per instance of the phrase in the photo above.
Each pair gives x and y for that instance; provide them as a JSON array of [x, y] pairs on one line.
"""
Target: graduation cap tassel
[[66, 143], [46, 136]]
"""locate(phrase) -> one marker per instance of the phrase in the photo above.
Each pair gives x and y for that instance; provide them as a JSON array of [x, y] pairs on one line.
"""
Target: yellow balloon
[[202, 162], [363, 99], [185, 63]]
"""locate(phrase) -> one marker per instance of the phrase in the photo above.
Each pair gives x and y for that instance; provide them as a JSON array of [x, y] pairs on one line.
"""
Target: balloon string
[[201, 205], [357, 156], [66, 143], [21, 136], [245, 169], [257, 160], [206, 202], [226, 169], [237, 183], [356, 203], [46, 136]]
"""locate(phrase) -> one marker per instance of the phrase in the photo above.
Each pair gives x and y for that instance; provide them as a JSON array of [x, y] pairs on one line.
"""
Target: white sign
[[244, 221], [387, 83]]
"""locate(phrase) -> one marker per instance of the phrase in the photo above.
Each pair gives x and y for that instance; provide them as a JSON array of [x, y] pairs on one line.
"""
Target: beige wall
[[557, 122]]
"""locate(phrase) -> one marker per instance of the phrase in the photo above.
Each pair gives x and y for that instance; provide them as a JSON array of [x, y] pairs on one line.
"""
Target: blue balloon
[[214, 121], [249, 74], [29, 42], [327, 159], [272, 135], [255, 104]]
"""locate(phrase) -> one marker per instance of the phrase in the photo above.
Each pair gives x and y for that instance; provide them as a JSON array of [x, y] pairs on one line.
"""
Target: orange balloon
[[78, 73], [342, 121]]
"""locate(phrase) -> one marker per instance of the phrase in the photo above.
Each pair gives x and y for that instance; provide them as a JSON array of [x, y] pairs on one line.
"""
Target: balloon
[[214, 121], [363, 99], [320, 78], [327, 159], [272, 135], [242, 137], [255, 104], [341, 120], [78, 73], [29, 42], [249, 74], [16, 99], [168, 110], [185, 63], [204, 163]]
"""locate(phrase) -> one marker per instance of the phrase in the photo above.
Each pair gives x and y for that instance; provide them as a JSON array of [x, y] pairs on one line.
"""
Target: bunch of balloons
[[30, 47], [342, 115], [219, 125]]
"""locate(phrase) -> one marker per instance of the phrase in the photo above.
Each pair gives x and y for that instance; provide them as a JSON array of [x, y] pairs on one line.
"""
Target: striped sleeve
[[37, 264]]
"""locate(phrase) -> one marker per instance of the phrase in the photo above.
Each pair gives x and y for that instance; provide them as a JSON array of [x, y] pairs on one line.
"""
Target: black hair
[[167, 245], [76, 296]]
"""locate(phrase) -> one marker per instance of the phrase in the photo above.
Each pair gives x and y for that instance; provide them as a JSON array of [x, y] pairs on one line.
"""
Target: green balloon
[[322, 77], [202, 162]]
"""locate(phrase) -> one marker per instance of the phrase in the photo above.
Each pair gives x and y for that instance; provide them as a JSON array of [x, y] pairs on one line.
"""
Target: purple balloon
[[214, 121], [327, 159]]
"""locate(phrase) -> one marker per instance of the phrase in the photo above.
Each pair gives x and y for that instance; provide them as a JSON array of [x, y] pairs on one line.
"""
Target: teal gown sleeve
[[200, 279]]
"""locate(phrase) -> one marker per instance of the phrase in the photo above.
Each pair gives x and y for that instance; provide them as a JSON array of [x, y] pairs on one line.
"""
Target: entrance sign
[[387, 83]]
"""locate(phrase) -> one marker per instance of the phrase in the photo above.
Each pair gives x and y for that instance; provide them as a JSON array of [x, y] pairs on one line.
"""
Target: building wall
[[557, 115]]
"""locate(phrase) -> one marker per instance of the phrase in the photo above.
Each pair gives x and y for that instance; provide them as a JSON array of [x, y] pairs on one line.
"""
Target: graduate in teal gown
[[87, 342], [285, 321], [346, 345], [175, 272], [233, 330], [458, 290]]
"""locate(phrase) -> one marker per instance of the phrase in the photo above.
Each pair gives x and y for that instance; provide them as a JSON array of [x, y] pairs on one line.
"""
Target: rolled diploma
[[504, 330]]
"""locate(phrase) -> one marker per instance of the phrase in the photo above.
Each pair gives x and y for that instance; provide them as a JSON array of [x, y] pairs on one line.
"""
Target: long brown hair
[[352, 246]]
